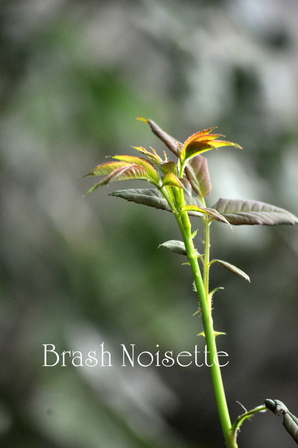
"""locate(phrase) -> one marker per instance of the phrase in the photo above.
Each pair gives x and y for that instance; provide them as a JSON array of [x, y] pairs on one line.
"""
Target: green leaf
[[169, 141], [232, 268], [247, 212], [198, 175], [151, 197], [149, 167], [175, 246]]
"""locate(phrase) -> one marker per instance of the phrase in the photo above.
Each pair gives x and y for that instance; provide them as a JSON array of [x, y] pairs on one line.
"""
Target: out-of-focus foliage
[[77, 272]]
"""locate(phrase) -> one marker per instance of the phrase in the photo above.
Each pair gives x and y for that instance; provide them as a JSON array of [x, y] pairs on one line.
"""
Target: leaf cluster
[[181, 185], [189, 173]]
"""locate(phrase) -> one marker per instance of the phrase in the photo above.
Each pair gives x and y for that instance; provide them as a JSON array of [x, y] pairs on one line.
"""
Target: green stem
[[202, 287], [241, 418]]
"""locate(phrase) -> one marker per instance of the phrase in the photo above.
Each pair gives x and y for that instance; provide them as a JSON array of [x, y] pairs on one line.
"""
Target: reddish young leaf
[[129, 171], [201, 142], [151, 155], [198, 175], [169, 141], [106, 168], [149, 167]]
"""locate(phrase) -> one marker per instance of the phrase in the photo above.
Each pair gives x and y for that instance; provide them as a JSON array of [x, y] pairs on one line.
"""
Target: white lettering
[[108, 354], [130, 358], [220, 353], [150, 357], [183, 354], [168, 360], [91, 361], [45, 355]]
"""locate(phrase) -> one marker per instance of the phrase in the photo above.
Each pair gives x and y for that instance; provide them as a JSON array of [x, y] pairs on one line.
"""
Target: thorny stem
[[202, 288], [240, 419]]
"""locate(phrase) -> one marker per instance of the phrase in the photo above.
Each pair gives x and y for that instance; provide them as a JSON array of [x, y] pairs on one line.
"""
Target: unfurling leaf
[[247, 212], [201, 142], [175, 246], [169, 141], [106, 168], [233, 269], [149, 167], [151, 155], [198, 175]]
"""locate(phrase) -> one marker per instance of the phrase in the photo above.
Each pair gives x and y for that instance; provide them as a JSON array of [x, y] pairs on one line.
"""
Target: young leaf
[[130, 171], [247, 212], [201, 142], [198, 175], [151, 155], [106, 168], [169, 141], [175, 246], [233, 269], [170, 179], [151, 171], [167, 167]]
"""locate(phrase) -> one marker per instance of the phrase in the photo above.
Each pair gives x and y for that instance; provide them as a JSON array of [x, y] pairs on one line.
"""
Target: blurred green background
[[78, 271]]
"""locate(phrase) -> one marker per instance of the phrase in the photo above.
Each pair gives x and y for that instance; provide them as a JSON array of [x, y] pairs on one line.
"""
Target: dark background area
[[79, 271]]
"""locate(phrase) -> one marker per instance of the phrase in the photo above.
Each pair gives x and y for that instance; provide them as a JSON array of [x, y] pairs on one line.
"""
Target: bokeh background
[[78, 271]]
